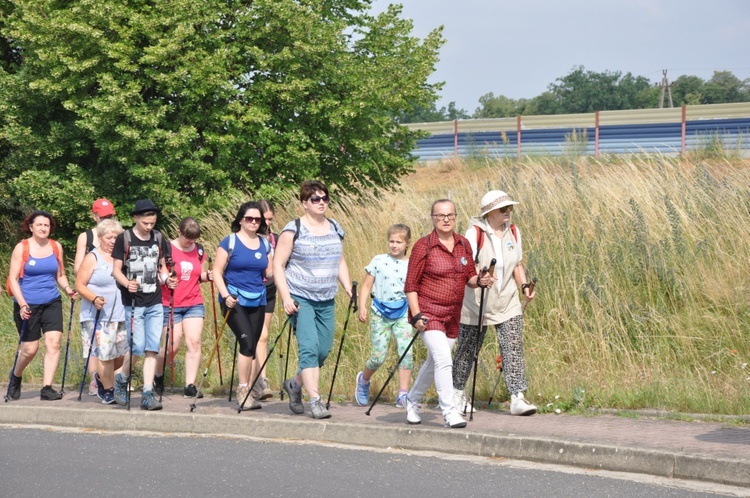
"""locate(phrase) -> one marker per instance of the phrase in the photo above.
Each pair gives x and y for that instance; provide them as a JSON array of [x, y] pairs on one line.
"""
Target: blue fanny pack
[[391, 309], [247, 299]]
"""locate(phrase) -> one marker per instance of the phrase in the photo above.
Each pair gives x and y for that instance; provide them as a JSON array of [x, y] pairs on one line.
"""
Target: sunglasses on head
[[316, 199], [253, 219]]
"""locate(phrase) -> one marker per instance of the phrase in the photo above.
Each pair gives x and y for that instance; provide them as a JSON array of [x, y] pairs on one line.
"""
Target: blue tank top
[[102, 283], [246, 267], [39, 282]]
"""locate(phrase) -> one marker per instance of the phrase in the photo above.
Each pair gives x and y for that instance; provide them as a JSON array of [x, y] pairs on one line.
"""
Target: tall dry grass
[[642, 267]]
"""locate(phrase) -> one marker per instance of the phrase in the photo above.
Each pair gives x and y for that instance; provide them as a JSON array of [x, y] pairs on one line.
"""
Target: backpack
[[480, 239], [298, 224], [25, 258], [89, 241], [233, 241]]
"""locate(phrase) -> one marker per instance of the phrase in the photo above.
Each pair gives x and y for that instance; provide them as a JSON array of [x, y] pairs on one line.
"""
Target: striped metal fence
[[664, 131]]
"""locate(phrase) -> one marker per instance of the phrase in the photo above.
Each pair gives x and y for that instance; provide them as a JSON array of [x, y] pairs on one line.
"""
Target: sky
[[518, 48]]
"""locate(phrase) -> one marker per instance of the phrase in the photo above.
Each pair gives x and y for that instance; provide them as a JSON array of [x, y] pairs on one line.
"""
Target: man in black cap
[[140, 256]]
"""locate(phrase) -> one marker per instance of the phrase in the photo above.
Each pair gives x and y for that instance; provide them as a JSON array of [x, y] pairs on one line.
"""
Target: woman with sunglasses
[[309, 264], [439, 270], [492, 236], [243, 262]]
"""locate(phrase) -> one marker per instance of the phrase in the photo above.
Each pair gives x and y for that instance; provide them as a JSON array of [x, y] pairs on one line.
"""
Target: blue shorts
[[148, 324], [197, 311]]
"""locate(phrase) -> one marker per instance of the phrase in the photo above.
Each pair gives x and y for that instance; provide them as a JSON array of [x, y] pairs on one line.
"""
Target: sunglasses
[[505, 209], [316, 199], [253, 219]]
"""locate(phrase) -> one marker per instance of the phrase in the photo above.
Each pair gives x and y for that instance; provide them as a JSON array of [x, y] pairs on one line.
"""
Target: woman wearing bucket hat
[[493, 236]]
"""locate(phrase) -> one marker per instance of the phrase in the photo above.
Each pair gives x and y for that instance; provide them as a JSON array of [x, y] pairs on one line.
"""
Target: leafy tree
[[587, 91], [496, 107], [687, 90], [723, 87], [430, 113], [182, 101]]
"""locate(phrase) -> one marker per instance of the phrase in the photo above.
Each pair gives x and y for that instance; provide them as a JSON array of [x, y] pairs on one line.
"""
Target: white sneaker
[[454, 420], [412, 412], [459, 399], [519, 405]]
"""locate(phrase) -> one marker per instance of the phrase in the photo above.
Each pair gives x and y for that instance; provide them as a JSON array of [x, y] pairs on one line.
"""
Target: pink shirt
[[188, 266]]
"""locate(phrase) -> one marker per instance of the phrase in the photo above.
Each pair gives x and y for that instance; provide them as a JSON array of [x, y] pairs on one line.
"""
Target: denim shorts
[[148, 325], [197, 311]]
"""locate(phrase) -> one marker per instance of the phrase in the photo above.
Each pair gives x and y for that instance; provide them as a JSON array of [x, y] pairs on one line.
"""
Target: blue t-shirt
[[245, 267], [39, 282]]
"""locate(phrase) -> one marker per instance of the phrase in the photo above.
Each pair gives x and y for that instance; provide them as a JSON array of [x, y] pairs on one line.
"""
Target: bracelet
[[525, 286], [415, 319], [164, 277]]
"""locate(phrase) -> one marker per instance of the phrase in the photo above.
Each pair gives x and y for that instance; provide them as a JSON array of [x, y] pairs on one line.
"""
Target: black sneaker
[[159, 384], [100, 387], [49, 394], [14, 389], [190, 391]]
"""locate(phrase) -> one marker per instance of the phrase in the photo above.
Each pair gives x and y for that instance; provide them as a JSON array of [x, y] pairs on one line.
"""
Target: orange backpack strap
[[514, 231]]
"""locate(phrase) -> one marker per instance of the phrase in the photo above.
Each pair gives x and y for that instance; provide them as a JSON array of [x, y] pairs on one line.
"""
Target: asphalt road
[[61, 463]]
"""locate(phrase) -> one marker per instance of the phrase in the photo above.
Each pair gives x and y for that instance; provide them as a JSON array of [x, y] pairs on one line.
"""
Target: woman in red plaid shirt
[[440, 267]]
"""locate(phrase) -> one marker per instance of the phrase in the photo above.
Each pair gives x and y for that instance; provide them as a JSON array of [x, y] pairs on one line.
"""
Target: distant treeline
[[583, 91]]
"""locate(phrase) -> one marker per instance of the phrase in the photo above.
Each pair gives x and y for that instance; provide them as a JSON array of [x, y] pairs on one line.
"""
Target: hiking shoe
[[99, 386], [454, 420], [108, 397], [295, 398], [519, 405], [159, 384], [362, 391], [191, 391], [49, 394], [461, 402], [250, 404], [121, 390], [265, 386], [149, 401], [401, 401], [412, 412], [317, 410], [14, 389]]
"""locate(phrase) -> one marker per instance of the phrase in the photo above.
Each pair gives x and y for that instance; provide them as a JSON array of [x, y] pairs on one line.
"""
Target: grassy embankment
[[643, 277]]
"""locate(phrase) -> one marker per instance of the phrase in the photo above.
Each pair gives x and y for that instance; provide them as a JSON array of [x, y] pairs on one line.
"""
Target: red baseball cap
[[102, 208]]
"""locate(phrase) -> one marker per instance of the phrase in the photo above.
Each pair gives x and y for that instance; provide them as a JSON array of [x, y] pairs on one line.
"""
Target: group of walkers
[[135, 285]]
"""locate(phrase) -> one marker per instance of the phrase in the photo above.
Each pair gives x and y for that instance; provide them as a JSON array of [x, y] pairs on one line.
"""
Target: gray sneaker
[[318, 410], [295, 398], [149, 402], [250, 404], [121, 390]]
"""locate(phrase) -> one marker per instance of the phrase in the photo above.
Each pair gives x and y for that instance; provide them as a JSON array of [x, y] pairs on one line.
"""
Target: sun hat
[[495, 199], [103, 207], [144, 206]]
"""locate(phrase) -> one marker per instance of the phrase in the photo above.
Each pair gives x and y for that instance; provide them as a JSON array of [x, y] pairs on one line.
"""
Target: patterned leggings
[[380, 335], [510, 338]]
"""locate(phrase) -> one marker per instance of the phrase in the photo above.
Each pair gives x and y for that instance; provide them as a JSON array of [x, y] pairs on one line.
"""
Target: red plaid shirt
[[439, 278]]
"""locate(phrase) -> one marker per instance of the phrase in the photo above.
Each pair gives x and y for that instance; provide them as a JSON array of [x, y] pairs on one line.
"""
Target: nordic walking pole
[[393, 371], [352, 305], [67, 347], [477, 348], [281, 361], [15, 360], [210, 359], [88, 356], [292, 329], [234, 364], [130, 344], [170, 331], [270, 352], [216, 325], [499, 368]]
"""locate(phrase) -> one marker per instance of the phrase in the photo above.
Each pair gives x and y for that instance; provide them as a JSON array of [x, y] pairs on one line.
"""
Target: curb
[[555, 451]]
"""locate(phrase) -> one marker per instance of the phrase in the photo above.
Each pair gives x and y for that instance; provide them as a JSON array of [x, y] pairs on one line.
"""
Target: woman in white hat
[[493, 236]]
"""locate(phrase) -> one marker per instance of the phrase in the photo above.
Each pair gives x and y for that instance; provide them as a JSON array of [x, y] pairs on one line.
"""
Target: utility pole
[[666, 87]]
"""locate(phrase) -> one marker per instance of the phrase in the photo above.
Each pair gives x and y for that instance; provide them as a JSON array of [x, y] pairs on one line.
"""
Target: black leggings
[[247, 324]]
